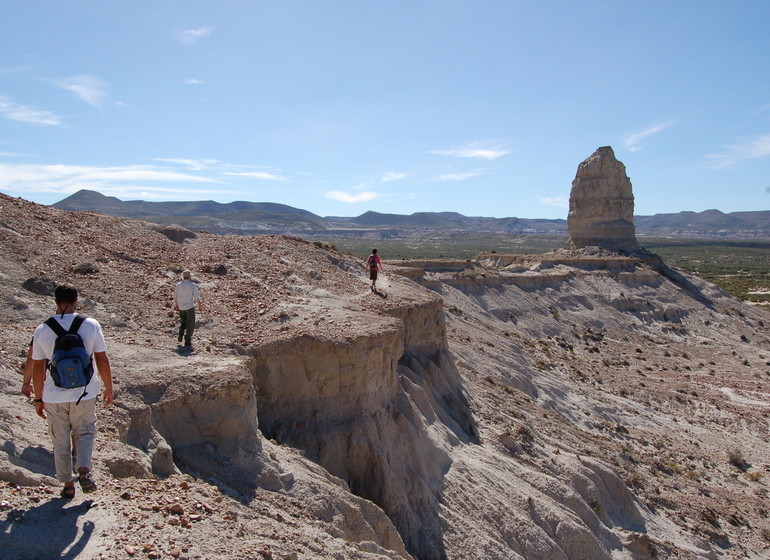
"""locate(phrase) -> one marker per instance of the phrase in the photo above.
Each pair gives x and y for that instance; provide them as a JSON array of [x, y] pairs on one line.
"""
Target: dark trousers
[[187, 327]]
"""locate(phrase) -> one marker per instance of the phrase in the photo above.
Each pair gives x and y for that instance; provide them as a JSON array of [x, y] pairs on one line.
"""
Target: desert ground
[[572, 405]]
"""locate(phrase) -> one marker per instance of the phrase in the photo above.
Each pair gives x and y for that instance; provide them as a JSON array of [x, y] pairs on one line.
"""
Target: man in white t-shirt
[[186, 295], [70, 412]]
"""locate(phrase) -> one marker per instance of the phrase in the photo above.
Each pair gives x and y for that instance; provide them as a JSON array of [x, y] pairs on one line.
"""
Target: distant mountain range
[[249, 218]]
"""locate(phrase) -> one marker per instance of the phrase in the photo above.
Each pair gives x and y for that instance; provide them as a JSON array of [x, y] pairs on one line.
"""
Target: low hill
[[233, 217], [246, 218], [706, 223], [566, 405]]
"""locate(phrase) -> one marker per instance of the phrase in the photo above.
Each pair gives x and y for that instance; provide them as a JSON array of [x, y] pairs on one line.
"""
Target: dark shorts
[[372, 274]]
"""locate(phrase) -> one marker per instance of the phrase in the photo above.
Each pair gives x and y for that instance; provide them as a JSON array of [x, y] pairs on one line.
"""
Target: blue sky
[[483, 107]]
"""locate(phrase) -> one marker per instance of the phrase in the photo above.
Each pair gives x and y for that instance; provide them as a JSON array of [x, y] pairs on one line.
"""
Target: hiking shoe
[[179, 338], [86, 483], [68, 492]]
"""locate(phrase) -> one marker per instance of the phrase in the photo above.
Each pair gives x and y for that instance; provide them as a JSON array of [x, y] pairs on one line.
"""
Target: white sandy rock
[[601, 205]]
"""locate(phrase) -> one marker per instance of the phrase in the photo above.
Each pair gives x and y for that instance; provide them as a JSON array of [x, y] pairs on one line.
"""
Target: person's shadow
[[184, 350], [45, 532]]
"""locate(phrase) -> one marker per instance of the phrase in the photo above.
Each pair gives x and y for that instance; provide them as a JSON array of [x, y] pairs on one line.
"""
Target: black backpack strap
[[59, 330], [76, 322], [54, 325], [85, 392]]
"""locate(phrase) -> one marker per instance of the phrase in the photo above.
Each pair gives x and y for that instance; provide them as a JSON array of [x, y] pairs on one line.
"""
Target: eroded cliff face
[[605, 345], [391, 415], [382, 412], [195, 417]]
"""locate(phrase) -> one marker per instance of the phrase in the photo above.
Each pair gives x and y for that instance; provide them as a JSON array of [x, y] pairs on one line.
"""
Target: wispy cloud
[[193, 164], [558, 201], [144, 192], [633, 140], [192, 36], [89, 89], [388, 177], [193, 82], [22, 113], [256, 175], [228, 169], [474, 151], [732, 154], [459, 176], [352, 198], [64, 180], [363, 191], [92, 174]]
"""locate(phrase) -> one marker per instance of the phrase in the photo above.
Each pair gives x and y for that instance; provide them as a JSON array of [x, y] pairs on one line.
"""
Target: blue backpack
[[71, 365]]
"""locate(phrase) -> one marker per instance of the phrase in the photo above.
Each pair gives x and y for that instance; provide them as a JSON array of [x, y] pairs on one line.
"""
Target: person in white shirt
[[186, 296], [70, 412]]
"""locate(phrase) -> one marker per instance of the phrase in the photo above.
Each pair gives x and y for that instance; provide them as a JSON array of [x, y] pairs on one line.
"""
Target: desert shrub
[[634, 480], [738, 267], [711, 516], [736, 458], [325, 245], [693, 475], [526, 439]]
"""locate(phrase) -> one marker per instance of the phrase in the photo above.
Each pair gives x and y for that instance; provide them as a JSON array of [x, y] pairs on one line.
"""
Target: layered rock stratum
[[561, 406], [601, 205]]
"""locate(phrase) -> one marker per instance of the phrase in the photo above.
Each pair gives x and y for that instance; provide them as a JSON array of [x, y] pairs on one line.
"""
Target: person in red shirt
[[374, 264]]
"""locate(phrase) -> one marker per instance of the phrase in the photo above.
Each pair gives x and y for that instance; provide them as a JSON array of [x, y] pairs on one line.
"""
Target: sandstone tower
[[601, 205]]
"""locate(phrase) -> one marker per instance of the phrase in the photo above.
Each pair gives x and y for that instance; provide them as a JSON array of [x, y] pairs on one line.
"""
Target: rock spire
[[601, 205]]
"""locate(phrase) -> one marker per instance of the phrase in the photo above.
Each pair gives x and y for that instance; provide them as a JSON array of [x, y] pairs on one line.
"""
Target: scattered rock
[[40, 285], [175, 233], [86, 268]]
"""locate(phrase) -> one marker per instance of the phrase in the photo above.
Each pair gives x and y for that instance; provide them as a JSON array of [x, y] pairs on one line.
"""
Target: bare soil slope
[[569, 406]]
